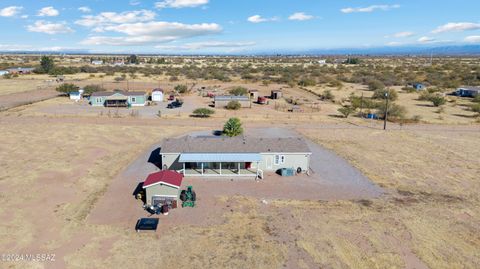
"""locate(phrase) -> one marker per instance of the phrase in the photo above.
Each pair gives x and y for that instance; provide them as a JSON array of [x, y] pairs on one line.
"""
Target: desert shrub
[[425, 96], [306, 82], [375, 84], [202, 112], [181, 88], [346, 111], [409, 89], [233, 105], [233, 127], [7, 76], [361, 102], [437, 100], [118, 79], [328, 96], [89, 89], [476, 108], [67, 88], [394, 111], [416, 118], [238, 91], [335, 83], [380, 94], [476, 99]]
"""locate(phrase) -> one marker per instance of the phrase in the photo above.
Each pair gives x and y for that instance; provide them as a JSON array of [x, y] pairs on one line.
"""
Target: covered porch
[[221, 164], [116, 101]]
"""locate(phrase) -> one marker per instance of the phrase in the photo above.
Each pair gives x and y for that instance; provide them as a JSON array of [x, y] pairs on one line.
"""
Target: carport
[[220, 164]]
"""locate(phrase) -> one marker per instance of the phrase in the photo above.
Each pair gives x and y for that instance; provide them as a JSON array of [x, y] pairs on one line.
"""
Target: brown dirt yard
[[57, 171]]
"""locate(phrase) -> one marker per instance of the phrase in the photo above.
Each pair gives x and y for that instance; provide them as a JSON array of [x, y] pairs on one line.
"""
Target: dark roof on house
[[240, 144], [157, 90], [168, 177], [231, 98], [105, 93]]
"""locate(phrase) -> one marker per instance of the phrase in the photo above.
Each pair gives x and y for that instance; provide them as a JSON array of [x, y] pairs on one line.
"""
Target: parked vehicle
[[175, 104], [171, 97]]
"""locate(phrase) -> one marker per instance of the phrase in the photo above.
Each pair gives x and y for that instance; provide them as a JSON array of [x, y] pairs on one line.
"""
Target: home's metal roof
[[104, 93], [220, 157], [231, 98], [240, 144]]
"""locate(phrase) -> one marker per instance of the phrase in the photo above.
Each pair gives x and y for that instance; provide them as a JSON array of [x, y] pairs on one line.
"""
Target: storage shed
[[162, 188], [253, 94], [276, 94], [223, 100], [157, 95]]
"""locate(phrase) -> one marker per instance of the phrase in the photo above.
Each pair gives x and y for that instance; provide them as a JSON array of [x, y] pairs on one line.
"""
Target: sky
[[234, 26]]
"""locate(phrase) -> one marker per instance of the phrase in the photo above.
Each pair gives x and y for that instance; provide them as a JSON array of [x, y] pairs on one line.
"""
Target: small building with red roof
[[162, 187]]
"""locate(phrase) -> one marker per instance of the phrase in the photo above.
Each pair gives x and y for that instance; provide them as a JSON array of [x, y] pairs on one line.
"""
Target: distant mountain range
[[458, 50]]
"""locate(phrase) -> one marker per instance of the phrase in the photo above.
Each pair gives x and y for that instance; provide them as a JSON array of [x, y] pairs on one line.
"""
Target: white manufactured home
[[237, 156]]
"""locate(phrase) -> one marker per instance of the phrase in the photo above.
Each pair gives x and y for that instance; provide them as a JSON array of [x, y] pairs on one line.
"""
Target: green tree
[[67, 88], [203, 112], [238, 91], [380, 94], [328, 95], [181, 88], [89, 89], [233, 127], [47, 64], [233, 105], [394, 111], [346, 110]]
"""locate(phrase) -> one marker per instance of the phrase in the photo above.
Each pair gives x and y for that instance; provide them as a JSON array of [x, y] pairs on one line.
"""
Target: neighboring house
[[223, 100], [322, 62], [234, 156], [468, 91], [162, 188], [20, 70], [97, 62], [118, 99], [3, 72], [157, 95]]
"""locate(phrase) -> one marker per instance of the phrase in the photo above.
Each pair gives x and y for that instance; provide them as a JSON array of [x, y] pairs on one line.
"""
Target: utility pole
[[386, 112]]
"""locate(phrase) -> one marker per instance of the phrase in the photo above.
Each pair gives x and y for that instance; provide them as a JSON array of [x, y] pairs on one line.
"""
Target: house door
[[269, 162]]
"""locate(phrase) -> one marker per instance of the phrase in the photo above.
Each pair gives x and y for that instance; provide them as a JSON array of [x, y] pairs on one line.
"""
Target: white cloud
[[48, 12], [403, 34], [134, 3], [180, 3], [110, 18], [457, 27], [24, 16], [368, 9], [85, 9], [50, 28], [472, 39], [426, 39], [206, 45], [300, 16], [259, 19], [393, 44], [10, 11], [152, 32]]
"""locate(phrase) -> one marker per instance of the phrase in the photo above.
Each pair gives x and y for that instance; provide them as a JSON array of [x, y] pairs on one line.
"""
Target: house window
[[134, 99], [279, 159], [98, 100]]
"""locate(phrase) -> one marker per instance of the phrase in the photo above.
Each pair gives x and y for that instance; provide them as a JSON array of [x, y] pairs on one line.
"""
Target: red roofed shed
[[163, 186]]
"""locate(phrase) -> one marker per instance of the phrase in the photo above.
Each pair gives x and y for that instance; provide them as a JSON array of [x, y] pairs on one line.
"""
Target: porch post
[[202, 169], [220, 168], [238, 168], [184, 171]]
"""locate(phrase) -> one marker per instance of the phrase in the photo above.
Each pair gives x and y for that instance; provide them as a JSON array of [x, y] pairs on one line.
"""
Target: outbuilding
[[76, 96], [276, 94], [162, 188], [223, 100], [253, 94], [3, 72], [157, 95]]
